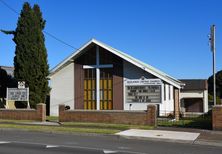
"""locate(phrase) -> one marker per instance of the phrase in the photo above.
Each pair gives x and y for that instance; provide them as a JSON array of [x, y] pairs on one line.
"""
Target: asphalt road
[[26, 142]]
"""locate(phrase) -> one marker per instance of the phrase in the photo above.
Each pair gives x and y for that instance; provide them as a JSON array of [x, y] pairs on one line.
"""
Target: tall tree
[[30, 59], [5, 81], [218, 84]]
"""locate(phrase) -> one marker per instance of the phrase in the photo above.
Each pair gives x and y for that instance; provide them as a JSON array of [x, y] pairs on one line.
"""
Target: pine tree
[[30, 59]]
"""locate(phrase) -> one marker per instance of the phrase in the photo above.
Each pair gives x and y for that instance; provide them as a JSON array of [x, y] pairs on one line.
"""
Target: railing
[[186, 120]]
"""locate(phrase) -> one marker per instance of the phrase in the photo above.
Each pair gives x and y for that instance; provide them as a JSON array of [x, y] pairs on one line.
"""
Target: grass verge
[[73, 127]]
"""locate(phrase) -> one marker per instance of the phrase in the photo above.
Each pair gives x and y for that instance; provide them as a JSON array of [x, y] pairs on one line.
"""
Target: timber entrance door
[[106, 89], [90, 89]]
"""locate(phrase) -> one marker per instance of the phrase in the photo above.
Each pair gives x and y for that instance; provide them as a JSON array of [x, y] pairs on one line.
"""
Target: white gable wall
[[130, 71], [197, 94], [62, 84]]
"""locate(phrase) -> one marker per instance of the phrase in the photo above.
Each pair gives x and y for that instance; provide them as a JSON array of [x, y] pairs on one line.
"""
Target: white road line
[[124, 148], [4, 142], [109, 151], [69, 146], [52, 146]]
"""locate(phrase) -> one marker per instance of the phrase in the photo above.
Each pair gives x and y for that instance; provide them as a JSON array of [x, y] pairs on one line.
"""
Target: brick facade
[[110, 116], [25, 114], [217, 117]]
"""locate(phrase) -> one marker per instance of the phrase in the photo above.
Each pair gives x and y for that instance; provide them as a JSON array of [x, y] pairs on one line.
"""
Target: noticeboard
[[17, 94], [143, 91]]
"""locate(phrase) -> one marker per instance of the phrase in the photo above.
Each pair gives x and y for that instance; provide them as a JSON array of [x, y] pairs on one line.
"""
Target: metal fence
[[187, 119]]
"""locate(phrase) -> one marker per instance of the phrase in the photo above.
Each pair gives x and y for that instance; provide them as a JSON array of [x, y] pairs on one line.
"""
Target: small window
[[169, 93], [164, 92]]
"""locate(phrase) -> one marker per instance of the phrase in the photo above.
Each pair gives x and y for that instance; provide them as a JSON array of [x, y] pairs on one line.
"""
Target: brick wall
[[112, 116], [25, 114], [217, 117]]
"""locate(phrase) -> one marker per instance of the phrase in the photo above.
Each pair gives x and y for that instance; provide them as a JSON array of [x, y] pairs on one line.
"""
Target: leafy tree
[[218, 84], [30, 59], [5, 81]]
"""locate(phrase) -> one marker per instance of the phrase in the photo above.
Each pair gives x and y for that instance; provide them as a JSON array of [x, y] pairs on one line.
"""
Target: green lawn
[[199, 122], [71, 127]]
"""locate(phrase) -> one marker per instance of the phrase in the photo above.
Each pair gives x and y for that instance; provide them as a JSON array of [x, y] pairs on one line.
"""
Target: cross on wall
[[98, 66]]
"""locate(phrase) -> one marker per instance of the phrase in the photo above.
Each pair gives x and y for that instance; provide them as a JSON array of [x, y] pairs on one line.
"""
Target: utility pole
[[213, 50]]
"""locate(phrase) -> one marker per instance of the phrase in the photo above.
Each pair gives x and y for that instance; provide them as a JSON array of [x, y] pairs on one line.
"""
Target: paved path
[[161, 134]]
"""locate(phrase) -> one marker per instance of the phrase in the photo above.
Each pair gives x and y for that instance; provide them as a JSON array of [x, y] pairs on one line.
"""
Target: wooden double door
[[106, 89]]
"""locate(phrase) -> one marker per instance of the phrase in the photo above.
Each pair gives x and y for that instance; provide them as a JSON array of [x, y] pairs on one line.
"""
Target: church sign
[[143, 90], [17, 94]]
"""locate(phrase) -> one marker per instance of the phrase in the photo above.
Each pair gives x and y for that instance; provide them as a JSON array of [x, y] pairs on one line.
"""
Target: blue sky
[[170, 35]]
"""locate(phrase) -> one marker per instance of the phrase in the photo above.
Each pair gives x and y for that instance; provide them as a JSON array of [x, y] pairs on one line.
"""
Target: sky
[[170, 35]]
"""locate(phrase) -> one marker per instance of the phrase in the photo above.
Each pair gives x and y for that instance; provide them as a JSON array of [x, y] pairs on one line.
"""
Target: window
[[169, 92]]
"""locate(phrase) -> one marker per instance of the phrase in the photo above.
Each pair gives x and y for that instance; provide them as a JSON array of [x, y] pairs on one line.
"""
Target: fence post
[[152, 115], [176, 104], [216, 117], [41, 112], [61, 112]]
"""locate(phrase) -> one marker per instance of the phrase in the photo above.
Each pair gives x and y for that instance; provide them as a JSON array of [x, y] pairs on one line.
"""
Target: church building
[[99, 77]]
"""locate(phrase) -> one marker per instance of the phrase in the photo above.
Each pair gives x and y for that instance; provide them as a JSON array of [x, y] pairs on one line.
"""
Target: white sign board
[[137, 82], [16, 94], [143, 91]]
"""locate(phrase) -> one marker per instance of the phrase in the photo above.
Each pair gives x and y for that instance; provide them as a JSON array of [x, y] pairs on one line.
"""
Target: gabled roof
[[122, 55]]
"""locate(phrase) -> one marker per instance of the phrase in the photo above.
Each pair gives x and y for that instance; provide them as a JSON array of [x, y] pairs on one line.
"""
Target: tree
[[30, 59], [218, 84], [5, 81]]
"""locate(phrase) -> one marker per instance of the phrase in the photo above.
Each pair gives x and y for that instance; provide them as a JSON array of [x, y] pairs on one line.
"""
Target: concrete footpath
[[206, 137], [180, 135]]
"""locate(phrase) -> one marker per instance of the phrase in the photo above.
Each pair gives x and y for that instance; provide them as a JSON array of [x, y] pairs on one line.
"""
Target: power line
[[59, 40], [9, 7], [45, 32]]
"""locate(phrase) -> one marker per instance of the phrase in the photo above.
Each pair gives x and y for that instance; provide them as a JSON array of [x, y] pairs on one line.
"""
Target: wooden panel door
[[106, 89], [89, 89]]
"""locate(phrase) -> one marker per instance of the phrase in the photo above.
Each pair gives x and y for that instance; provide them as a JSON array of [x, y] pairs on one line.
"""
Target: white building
[[194, 97], [99, 77]]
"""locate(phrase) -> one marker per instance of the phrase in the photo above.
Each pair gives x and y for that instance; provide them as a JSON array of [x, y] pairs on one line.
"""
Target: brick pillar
[[61, 112], [176, 104], [152, 115], [41, 112], [216, 117]]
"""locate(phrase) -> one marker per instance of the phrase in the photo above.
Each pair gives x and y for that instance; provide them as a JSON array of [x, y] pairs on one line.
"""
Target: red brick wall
[[217, 117], [176, 104], [25, 114], [112, 116]]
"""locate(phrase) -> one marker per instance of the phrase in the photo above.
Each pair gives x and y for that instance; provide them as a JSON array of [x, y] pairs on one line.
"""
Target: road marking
[[52, 146], [109, 151], [4, 142], [124, 148]]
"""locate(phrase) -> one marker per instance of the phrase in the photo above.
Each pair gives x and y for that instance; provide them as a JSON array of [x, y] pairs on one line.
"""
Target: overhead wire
[[45, 32]]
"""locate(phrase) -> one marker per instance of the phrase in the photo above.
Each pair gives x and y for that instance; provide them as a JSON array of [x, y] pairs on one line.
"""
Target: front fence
[[147, 117], [25, 114], [186, 120], [217, 117]]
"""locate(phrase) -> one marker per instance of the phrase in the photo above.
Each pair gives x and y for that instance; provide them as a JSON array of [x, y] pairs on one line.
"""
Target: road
[[26, 142]]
